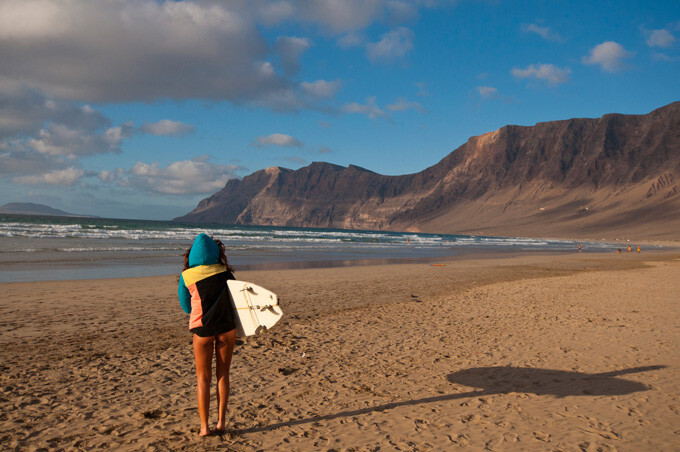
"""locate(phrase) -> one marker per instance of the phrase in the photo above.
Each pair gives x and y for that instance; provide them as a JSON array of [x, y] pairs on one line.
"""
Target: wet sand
[[542, 352]]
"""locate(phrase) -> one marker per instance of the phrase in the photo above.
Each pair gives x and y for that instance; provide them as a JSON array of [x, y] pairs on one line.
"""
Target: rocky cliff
[[615, 176]]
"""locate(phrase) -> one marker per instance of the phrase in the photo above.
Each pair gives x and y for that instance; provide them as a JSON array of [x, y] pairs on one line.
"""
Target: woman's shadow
[[503, 380], [558, 383]]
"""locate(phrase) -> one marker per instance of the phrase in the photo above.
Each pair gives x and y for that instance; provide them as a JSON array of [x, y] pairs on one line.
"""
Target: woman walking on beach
[[203, 294]]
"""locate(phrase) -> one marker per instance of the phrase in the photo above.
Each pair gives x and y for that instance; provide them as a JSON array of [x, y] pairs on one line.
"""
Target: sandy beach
[[528, 352]]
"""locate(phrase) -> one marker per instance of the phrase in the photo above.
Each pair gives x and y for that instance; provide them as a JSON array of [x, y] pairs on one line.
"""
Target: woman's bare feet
[[220, 428], [204, 431]]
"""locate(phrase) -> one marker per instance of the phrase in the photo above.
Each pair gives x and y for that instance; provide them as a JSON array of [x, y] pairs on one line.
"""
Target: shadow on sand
[[502, 380]]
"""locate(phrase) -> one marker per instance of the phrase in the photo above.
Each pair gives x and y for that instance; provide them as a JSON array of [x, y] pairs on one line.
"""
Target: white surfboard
[[257, 309]]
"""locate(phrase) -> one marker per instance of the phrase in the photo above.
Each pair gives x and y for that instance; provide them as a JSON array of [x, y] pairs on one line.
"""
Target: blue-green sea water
[[35, 248]]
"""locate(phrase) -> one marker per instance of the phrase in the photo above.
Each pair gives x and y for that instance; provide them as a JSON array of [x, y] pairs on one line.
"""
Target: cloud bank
[[65, 177], [141, 50], [144, 50], [187, 177]]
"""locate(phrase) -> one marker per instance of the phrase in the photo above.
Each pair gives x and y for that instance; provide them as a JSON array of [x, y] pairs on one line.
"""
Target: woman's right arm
[[184, 296]]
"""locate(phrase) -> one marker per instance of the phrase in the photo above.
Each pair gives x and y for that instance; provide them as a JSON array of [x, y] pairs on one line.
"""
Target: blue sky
[[141, 108]]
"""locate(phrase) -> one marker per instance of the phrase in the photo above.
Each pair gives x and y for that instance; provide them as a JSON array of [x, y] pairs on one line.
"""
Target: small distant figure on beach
[[629, 248], [638, 249], [579, 248], [408, 241], [619, 251], [203, 294]]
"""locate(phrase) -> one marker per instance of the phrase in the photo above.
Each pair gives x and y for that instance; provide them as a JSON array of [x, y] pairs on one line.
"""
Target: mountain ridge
[[618, 174], [29, 208]]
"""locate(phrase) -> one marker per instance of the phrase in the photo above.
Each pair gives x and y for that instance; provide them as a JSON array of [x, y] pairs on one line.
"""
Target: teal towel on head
[[204, 251]]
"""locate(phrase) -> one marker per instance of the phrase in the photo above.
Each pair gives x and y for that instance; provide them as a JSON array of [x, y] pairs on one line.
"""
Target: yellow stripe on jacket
[[191, 276]]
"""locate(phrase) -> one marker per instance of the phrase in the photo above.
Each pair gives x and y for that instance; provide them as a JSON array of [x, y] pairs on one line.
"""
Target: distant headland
[[29, 208]]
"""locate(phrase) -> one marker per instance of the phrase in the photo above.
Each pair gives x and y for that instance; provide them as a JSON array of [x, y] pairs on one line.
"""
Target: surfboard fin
[[261, 329]]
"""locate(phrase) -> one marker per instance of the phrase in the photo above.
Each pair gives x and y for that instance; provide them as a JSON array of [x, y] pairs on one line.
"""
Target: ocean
[[42, 248]]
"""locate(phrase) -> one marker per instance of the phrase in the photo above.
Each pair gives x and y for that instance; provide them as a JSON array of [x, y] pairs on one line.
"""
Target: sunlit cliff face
[[272, 170], [559, 165], [485, 139]]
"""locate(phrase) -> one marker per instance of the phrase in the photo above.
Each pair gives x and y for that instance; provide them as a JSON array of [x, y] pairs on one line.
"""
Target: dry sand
[[570, 352]]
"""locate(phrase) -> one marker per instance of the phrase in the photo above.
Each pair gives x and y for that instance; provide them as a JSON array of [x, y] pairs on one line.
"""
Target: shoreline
[[124, 268], [528, 352], [35, 250]]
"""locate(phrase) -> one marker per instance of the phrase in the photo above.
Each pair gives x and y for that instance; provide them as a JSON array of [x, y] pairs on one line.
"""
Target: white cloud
[[278, 139], [341, 16], [108, 177], [352, 39], [608, 55], [660, 38], [184, 177], [167, 127], [321, 88], [487, 92], [544, 32], [548, 72], [393, 45], [370, 109], [403, 105], [306, 95], [68, 176], [285, 100], [60, 139], [115, 135]]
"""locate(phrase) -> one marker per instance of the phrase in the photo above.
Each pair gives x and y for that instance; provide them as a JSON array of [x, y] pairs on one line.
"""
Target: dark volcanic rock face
[[538, 179]]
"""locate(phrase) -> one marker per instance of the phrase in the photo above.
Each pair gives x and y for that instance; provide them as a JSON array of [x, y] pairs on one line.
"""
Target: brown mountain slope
[[613, 177]]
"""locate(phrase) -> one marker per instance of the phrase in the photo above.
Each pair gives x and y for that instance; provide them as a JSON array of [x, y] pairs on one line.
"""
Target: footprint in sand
[[287, 370]]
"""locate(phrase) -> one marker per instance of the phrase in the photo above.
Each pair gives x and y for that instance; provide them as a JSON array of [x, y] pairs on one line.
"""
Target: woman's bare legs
[[224, 349], [203, 352]]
